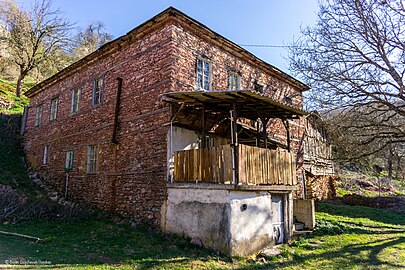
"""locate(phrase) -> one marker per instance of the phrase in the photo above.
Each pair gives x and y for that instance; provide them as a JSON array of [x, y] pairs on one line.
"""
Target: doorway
[[277, 213]]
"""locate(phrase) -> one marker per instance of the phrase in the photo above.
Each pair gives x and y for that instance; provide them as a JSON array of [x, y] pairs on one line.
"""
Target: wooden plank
[[214, 157], [248, 165], [242, 164], [262, 164], [189, 165], [200, 164], [267, 166], [294, 170], [180, 166], [228, 162], [256, 165], [222, 175], [284, 167], [206, 165], [195, 163], [287, 168], [278, 166], [175, 164], [272, 167]]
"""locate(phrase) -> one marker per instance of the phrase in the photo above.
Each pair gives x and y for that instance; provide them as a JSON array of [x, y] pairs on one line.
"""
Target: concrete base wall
[[233, 222], [304, 211], [251, 222]]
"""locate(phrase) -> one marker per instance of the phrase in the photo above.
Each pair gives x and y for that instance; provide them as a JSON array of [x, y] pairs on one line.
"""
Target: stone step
[[297, 234], [298, 226]]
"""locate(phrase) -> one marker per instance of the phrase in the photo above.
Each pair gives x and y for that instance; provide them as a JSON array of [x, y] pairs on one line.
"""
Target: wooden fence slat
[[175, 164], [294, 170], [256, 165]]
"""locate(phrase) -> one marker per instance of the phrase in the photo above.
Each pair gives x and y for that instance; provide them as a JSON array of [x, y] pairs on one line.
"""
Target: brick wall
[[131, 177], [131, 174]]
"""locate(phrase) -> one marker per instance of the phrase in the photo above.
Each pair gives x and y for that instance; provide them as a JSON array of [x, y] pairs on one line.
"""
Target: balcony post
[[203, 135], [234, 146], [264, 130], [287, 127]]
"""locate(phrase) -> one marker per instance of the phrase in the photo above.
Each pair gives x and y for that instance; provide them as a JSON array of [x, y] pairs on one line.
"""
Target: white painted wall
[[251, 221], [237, 223], [201, 213]]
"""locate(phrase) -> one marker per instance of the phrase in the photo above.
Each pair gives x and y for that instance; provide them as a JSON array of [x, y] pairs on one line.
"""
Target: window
[[258, 87], [46, 153], [203, 74], [233, 81], [69, 160], [97, 96], [76, 97], [54, 109], [288, 100], [92, 156], [38, 115]]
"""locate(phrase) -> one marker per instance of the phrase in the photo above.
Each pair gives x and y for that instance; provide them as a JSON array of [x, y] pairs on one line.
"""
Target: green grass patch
[[96, 243], [346, 237], [13, 173], [7, 93]]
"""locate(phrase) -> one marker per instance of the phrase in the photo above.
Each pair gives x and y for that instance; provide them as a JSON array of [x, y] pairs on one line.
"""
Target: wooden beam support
[[287, 127], [203, 130]]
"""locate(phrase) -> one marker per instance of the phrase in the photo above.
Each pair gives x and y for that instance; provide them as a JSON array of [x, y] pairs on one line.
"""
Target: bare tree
[[32, 36], [354, 60], [89, 40]]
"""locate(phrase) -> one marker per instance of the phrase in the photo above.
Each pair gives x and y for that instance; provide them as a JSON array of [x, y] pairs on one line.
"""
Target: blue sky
[[271, 22]]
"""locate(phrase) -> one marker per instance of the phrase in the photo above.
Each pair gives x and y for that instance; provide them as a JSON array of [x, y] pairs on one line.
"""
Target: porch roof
[[250, 104]]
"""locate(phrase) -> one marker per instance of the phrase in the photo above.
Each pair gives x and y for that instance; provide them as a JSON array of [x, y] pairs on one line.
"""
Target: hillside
[[9, 102]]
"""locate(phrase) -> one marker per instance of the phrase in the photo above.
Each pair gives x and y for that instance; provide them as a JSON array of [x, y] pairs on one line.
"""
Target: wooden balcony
[[254, 165]]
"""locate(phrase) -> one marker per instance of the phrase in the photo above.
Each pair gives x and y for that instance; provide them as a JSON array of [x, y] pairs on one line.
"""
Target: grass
[[94, 243], [13, 173], [7, 93], [346, 237]]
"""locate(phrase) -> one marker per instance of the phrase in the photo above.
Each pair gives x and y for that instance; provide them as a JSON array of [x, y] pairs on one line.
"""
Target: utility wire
[[265, 46]]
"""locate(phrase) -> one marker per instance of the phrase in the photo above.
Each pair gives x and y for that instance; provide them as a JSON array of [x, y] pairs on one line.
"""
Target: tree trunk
[[390, 164], [20, 82]]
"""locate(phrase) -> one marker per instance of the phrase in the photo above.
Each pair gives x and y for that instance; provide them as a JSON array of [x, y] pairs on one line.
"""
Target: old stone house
[[174, 125]]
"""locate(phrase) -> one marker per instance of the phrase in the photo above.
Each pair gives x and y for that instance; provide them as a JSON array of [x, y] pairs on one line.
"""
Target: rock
[[196, 241], [53, 194], [270, 252], [37, 181]]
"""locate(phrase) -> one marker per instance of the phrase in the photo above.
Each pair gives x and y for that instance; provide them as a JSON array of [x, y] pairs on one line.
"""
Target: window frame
[[206, 61], [69, 159], [258, 87], [234, 75], [101, 91], [45, 155], [38, 115], [53, 111], [92, 159], [76, 99]]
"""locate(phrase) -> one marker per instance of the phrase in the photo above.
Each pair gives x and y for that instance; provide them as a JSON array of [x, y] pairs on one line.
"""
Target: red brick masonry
[[158, 56]]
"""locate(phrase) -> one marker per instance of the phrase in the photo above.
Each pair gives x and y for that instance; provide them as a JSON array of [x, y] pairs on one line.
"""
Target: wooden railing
[[257, 166]]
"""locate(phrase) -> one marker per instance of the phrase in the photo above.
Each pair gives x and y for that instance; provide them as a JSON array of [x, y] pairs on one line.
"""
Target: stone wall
[[131, 176]]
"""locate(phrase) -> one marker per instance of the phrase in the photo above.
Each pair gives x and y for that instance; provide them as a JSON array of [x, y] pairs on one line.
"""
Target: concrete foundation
[[232, 221]]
